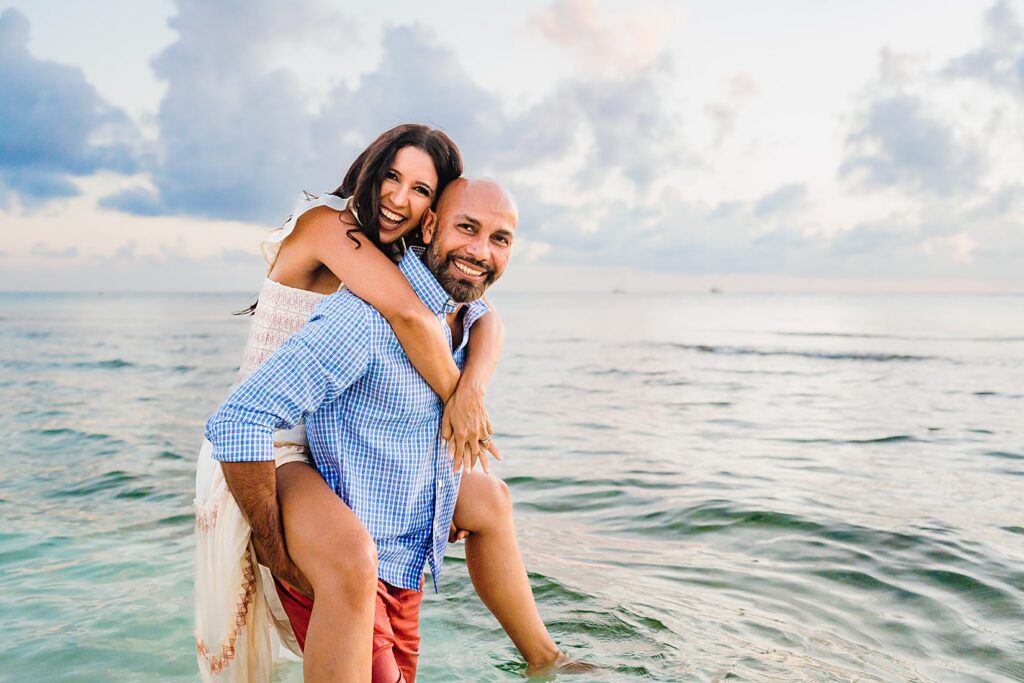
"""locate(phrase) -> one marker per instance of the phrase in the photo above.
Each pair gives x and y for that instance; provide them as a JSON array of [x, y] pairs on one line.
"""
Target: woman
[[327, 241]]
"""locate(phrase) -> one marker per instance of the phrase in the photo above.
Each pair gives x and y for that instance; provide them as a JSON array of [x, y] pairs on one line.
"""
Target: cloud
[[726, 111], [41, 250], [53, 124], [874, 237], [1000, 60], [605, 46], [238, 141], [600, 162], [418, 79], [234, 130], [899, 143], [243, 147], [783, 200], [939, 143]]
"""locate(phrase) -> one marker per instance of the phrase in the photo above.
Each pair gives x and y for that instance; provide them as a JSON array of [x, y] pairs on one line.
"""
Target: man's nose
[[479, 247]]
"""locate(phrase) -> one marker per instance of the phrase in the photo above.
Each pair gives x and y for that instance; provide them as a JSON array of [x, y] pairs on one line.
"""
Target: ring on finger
[[486, 440]]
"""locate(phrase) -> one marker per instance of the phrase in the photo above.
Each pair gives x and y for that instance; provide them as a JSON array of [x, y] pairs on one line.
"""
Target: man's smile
[[469, 269]]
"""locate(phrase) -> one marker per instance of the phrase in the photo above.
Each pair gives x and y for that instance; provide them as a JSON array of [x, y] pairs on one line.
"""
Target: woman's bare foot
[[562, 664]]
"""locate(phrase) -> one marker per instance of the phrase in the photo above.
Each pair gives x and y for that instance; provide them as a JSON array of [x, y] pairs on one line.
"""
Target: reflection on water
[[708, 488]]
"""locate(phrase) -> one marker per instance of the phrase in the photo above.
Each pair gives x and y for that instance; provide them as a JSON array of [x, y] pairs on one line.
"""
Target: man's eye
[[501, 239], [466, 226]]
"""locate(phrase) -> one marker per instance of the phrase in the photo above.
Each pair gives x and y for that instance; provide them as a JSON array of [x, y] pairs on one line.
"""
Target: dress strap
[[272, 243]]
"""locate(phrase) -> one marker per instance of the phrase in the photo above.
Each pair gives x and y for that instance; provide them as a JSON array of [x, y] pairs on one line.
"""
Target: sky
[[651, 146]]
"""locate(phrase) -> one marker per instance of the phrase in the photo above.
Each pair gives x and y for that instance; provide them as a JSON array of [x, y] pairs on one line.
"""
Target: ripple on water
[[794, 353], [105, 482]]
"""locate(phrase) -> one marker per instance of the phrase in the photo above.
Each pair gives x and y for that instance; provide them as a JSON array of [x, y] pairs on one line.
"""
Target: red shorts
[[396, 628]]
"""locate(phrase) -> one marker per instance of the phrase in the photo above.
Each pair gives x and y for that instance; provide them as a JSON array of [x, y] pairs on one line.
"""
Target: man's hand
[[466, 427], [254, 487], [281, 566]]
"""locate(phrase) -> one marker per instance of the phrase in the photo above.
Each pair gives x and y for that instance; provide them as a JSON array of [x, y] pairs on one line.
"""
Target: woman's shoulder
[[310, 213]]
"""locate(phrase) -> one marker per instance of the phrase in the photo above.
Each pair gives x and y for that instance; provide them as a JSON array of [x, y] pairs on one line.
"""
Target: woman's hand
[[467, 429]]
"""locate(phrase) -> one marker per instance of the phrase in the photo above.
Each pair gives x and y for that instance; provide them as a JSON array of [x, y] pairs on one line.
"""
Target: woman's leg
[[333, 549], [484, 509]]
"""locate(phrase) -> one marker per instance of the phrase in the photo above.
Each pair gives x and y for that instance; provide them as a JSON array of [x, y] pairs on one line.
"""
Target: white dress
[[239, 621]]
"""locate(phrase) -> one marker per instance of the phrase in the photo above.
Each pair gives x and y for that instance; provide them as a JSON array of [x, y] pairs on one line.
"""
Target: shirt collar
[[430, 291]]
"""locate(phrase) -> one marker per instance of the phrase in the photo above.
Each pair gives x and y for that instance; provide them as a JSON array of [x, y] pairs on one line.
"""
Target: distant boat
[[714, 290], [618, 291]]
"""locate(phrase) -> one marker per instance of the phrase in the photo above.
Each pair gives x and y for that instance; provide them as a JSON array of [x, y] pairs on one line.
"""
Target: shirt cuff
[[240, 442]]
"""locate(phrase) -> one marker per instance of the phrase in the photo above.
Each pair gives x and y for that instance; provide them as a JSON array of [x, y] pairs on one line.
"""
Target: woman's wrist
[[472, 384]]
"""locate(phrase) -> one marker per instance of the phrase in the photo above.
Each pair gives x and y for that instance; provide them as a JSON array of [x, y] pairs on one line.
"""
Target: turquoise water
[[731, 487]]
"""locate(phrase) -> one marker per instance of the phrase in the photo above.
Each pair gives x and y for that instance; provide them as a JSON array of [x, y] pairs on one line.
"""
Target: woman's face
[[406, 192]]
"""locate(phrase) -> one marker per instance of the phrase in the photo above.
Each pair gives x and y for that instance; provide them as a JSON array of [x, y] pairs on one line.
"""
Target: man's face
[[470, 239]]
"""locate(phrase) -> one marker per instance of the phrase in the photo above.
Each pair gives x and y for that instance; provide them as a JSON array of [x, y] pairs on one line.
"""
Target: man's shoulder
[[344, 305]]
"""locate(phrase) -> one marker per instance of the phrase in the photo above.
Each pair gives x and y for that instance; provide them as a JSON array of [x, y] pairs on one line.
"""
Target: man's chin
[[462, 291]]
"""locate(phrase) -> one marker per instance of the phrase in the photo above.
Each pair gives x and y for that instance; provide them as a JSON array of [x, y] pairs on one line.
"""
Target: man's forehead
[[478, 200]]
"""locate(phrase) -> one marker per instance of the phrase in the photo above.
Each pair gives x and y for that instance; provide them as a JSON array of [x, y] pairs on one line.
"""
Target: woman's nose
[[400, 195]]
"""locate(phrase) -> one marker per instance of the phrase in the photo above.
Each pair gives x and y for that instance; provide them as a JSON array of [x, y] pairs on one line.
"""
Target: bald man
[[373, 422]]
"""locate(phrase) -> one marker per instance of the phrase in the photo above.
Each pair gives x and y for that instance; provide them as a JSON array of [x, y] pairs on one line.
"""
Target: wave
[[895, 438], [112, 364], [817, 355], [1005, 454], [902, 337], [104, 482]]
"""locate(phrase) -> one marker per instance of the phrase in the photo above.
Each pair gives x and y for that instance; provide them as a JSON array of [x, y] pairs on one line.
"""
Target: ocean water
[[708, 487]]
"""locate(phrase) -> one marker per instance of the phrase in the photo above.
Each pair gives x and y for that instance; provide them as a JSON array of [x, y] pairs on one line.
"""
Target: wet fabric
[[396, 628]]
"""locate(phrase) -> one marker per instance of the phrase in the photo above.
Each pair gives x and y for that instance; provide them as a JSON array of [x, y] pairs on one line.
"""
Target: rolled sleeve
[[310, 369]]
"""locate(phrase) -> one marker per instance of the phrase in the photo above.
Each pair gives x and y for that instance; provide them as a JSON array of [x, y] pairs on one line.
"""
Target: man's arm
[[254, 486], [310, 369]]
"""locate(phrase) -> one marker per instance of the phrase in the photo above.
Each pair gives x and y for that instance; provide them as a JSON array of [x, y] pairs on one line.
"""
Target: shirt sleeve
[[311, 368]]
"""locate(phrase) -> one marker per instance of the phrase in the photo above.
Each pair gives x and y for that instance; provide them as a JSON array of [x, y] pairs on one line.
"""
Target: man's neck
[[454, 320]]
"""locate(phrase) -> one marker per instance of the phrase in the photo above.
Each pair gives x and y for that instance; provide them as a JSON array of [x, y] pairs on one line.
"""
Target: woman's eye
[[392, 175], [423, 191]]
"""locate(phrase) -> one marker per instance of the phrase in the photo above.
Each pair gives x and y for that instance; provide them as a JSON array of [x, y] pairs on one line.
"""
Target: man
[[372, 420]]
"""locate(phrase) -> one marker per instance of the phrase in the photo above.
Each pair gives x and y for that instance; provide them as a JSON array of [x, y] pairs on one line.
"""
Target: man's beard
[[459, 290]]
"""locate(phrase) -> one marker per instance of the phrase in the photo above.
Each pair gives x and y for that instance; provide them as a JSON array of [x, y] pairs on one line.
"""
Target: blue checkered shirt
[[372, 422]]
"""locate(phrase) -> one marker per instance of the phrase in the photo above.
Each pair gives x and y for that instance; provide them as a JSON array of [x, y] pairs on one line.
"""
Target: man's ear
[[428, 224]]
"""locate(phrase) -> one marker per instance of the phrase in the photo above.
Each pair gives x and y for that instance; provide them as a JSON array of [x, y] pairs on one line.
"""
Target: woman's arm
[[465, 416], [373, 277]]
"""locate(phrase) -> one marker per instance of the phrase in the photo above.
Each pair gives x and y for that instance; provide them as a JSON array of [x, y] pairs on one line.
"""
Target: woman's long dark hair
[[367, 173]]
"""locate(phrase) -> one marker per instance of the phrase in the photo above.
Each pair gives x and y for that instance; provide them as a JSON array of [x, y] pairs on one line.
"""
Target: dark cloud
[[897, 142], [53, 124]]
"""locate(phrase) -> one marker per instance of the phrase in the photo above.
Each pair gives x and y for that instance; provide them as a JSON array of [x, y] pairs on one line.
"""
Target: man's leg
[[484, 509], [332, 548], [396, 634]]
